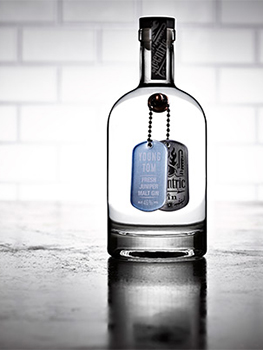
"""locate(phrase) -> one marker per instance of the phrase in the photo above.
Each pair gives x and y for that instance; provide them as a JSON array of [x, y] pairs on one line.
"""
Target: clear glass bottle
[[142, 119]]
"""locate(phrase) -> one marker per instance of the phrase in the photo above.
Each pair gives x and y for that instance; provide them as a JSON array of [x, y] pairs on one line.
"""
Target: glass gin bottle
[[156, 163]]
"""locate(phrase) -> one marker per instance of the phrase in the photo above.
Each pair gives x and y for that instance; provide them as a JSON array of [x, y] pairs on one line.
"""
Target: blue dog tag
[[149, 176]]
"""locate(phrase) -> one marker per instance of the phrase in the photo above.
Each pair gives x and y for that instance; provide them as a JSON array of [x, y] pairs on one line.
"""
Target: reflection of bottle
[[157, 159], [157, 306]]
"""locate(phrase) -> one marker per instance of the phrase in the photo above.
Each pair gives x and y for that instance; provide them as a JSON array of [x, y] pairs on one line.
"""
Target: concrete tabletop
[[60, 290]]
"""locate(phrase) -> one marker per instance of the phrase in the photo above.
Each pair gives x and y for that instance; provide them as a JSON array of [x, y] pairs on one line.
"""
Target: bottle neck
[[157, 57]]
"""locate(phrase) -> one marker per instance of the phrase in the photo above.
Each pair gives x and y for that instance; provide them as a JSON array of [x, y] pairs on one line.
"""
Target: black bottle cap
[[147, 22]]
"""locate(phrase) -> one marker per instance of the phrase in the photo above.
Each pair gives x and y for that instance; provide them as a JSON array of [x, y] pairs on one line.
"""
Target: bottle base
[[156, 243]]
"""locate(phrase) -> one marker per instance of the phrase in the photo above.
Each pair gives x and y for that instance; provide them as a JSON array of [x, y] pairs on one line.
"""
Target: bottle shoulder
[[174, 94]]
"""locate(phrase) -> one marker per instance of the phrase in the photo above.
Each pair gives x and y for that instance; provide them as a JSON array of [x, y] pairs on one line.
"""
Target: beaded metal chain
[[149, 139]]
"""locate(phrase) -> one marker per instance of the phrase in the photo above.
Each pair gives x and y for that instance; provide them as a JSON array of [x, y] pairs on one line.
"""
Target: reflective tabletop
[[59, 289]]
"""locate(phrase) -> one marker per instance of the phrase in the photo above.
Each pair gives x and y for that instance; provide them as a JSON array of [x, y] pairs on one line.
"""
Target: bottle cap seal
[[147, 21]]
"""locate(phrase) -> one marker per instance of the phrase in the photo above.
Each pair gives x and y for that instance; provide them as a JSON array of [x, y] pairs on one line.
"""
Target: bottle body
[[156, 194], [136, 234]]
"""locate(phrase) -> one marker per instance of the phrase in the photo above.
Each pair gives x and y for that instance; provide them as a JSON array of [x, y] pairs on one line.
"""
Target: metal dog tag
[[177, 180], [149, 176]]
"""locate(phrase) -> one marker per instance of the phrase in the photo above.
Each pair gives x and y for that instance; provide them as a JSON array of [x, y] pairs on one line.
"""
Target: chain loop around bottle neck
[[149, 139]]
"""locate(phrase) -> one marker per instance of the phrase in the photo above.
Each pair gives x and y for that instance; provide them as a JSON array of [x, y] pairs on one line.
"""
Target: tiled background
[[64, 62]]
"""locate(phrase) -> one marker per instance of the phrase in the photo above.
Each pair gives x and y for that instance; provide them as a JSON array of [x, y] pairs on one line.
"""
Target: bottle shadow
[[156, 305]]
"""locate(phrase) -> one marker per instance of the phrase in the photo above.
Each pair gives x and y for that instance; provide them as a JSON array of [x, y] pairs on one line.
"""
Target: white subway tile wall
[[241, 85], [110, 11], [63, 63], [217, 46], [26, 11], [28, 84], [28, 163], [58, 44], [8, 124], [8, 44], [242, 12]]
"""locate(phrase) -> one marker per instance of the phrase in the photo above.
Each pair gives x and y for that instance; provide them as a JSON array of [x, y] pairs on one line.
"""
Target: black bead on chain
[[149, 139]]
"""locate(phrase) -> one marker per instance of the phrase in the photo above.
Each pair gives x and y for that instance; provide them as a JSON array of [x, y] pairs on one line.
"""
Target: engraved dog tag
[[177, 179], [149, 176]]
